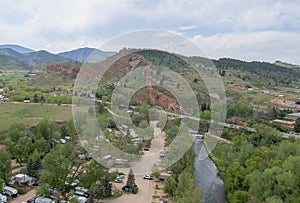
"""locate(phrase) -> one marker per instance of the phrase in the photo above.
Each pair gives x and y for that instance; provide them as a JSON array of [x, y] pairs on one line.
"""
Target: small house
[[265, 92]]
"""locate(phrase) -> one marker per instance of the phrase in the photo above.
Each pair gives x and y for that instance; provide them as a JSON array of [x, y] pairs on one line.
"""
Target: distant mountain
[[10, 63], [43, 57], [12, 53], [16, 48], [86, 54]]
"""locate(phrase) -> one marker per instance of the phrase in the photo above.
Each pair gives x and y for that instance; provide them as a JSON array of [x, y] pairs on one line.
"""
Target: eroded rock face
[[159, 98], [63, 69]]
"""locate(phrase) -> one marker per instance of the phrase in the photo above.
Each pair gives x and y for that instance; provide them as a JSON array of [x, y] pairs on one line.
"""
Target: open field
[[31, 114]]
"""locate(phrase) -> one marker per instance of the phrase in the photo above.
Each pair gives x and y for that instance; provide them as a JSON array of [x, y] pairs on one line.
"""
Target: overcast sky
[[264, 30]]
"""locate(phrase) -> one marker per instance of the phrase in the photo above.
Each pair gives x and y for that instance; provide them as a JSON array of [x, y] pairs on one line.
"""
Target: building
[[284, 122], [293, 116]]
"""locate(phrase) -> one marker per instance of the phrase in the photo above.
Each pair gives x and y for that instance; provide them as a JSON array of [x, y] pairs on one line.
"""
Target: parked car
[[161, 154], [119, 180], [62, 141], [89, 156], [148, 177], [81, 156], [121, 175]]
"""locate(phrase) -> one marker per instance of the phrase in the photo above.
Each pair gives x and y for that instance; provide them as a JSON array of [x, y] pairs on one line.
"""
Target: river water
[[206, 176]]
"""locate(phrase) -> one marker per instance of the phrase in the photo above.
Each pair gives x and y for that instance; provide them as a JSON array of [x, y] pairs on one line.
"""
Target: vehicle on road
[[148, 177]]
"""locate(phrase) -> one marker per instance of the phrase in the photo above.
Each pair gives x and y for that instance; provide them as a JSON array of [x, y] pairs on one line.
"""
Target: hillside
[[259, 73], [285, 64], [86, 54], [9, 63], [52, 80]]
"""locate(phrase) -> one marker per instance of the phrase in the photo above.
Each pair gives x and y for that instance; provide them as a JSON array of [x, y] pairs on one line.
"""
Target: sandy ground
[[16, 166], [24, 198], [147, 188]]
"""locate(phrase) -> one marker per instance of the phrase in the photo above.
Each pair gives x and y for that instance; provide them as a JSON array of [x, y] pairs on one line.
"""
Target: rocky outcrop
[[63, 69], [158, 97]]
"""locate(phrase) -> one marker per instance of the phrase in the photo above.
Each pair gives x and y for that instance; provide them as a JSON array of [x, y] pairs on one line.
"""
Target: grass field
[[31, 114]]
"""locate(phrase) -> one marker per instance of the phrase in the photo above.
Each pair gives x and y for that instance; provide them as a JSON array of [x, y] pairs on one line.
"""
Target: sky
[[265, 30]]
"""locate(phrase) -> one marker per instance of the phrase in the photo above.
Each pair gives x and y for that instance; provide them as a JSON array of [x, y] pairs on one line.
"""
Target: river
[[206, 176]]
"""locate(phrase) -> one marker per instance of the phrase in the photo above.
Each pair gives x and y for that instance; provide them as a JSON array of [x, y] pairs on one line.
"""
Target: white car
[[148, 177]]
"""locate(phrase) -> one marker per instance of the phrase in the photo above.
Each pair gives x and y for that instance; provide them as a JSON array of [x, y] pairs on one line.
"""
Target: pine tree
[[34, 164], [107, 186], [131, 182]]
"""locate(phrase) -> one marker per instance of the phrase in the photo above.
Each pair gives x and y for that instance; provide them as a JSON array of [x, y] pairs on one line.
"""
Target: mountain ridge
[[17, 48], [22, 56]]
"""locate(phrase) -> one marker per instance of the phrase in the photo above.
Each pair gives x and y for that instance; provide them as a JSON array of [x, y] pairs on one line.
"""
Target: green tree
[[5, 166], [35, 98], [240, 197], [34, 164], [71, 128], [240, 109], [58, 165], [46, 129], [297, 125], [107, 186], [235, 176], [131, 181], [96, 192], [264, 135], [170, 186], [94, 172], [186, 190], [20, 149]]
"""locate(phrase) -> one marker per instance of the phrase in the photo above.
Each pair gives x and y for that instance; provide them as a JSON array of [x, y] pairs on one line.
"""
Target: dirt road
[[146, 187], [24, 198]]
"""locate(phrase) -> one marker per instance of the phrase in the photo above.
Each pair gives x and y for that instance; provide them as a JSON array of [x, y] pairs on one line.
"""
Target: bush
[[21, 191]]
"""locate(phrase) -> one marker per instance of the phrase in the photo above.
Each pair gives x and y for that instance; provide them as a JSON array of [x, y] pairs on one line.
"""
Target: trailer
[[12, 192]]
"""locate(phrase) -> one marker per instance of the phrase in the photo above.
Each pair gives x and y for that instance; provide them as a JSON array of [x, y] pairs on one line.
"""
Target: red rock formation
[[159, 98], [63, 69]]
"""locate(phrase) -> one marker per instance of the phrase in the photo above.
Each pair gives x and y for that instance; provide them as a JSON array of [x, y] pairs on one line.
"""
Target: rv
[[3, 198], [12, 192]]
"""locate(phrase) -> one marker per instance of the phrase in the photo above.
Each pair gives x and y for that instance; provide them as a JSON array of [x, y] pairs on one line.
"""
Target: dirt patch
[[25, 197]]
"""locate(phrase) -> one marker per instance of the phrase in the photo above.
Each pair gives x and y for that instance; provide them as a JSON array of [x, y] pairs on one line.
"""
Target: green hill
[[9, 63]]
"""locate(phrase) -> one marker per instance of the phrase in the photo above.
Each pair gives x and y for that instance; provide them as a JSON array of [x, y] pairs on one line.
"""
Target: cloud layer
[[255, 30]]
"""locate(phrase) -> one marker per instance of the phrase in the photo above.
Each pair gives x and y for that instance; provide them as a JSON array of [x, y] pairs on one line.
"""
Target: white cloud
[[264, 45], [188, 27], [62, 25]]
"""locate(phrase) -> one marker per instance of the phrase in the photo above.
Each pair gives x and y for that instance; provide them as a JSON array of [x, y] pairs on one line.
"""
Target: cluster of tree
[[54, 165], [27, 144], [239, 109], [181, 185], [183, 189], [260, 72], [260, 166]]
